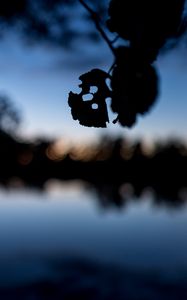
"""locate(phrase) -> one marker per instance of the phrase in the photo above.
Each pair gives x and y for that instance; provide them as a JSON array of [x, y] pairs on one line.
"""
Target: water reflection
[[118, 195], [82, 279], [110, 166], [62, 246]]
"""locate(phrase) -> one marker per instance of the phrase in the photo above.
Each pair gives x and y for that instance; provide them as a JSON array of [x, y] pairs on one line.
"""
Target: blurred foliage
[[115, 169], [10, 117], [52, 22]]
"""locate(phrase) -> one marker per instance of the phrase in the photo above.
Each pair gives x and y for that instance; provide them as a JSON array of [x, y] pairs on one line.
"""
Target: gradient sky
[[38, 81]]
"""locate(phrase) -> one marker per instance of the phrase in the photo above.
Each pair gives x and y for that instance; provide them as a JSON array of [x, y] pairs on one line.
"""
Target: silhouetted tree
[[9, 115]]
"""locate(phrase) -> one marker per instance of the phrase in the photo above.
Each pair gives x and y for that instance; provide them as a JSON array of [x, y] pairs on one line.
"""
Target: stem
[[112, 67], [95, 19], [115, 39]]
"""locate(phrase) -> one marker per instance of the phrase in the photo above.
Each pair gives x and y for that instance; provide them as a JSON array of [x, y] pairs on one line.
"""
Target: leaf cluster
[[147, 27]]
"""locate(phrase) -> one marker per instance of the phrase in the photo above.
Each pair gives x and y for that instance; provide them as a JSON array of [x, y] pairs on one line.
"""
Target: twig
[[95, 19], [112, 67], [115, 39]]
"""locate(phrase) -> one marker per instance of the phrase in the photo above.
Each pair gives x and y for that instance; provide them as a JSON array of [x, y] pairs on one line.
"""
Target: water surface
[[65, 231]]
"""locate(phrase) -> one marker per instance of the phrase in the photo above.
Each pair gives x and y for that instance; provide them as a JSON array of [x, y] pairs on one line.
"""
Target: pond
[[63, 244]]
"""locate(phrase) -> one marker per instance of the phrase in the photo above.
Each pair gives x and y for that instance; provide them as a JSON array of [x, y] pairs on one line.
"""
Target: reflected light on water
[[63, 233], [74, 188]]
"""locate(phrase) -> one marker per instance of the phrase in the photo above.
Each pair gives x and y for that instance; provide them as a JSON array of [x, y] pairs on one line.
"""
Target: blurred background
[[86, 213], [38, 71]]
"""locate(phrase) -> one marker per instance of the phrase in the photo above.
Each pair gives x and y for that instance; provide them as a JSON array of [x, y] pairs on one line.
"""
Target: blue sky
[[39, 79]]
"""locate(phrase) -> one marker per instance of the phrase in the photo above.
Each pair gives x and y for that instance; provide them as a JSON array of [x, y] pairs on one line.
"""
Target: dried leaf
[[91, 112]]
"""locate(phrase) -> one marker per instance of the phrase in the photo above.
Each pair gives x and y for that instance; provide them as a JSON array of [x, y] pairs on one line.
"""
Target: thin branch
[[115, 39], [95, 19], [112, 67]]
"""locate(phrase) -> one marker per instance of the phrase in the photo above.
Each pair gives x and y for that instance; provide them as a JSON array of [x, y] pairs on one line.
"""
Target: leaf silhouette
[[134, 86], [93, 111]]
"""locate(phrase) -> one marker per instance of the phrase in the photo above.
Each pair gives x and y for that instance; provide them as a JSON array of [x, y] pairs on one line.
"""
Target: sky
[[38, 80]]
